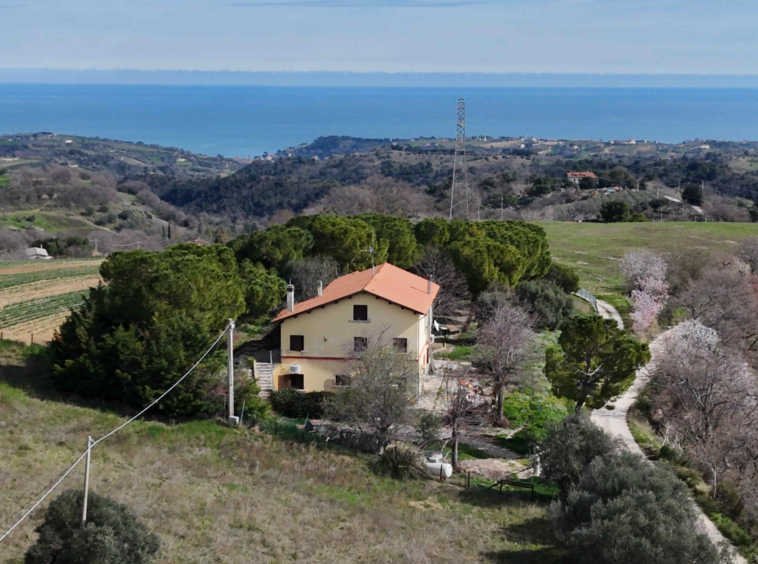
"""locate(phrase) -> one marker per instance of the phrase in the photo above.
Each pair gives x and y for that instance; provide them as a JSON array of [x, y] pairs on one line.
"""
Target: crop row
[[42, 264], [30, 310], [22, 278]]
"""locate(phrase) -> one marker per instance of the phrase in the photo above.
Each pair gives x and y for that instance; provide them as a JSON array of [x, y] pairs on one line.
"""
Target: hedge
[[299, 405]]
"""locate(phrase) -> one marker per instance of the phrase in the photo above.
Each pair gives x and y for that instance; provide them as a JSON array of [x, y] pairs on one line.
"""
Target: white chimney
[[290, 297], [429, 286], [320, 288]]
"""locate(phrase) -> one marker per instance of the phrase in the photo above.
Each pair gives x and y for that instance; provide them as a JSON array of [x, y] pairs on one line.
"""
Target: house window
[[360, 344], [360, 313], [341, 380], [297, 343], [401, 344], [297, 382]]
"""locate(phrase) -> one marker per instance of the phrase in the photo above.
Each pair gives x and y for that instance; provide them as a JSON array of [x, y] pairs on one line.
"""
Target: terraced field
[[35, 296]]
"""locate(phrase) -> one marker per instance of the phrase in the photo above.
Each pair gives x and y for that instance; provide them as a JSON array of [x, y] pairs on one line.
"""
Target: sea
[[243, 121]]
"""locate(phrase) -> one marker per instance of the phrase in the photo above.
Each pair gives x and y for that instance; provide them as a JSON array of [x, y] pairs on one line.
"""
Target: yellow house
[[319, 336]]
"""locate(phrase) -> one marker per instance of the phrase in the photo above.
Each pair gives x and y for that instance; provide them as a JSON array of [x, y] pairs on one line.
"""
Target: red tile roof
[[581, 175], [389, 283]]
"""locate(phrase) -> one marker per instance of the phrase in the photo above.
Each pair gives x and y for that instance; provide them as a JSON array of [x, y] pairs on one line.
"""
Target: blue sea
[[250, 120]]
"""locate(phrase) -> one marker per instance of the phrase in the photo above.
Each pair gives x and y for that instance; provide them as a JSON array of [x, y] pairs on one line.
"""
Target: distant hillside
[[60, 184], [508, 177], [334, 145]]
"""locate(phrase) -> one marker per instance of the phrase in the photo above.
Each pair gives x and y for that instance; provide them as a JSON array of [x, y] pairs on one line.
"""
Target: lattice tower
[[459, 192]]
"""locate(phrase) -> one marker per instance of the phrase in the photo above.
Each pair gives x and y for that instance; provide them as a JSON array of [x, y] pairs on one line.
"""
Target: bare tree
[[748, 252], [306, 273], [707, 396], [726, 301], [458, 407], [382, 391], [507, 350], [436, 265]]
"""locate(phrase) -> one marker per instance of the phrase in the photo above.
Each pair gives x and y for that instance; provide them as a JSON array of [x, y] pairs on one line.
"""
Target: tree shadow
[[534, 538], [482, 496], [27, 370], [545, 555]]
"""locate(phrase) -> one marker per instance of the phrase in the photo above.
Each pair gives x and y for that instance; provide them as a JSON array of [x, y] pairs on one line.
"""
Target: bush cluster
[[616, 507], [299, 405]]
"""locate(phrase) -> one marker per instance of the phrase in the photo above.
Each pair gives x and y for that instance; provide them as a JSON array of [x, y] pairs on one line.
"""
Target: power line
[[116, 430]]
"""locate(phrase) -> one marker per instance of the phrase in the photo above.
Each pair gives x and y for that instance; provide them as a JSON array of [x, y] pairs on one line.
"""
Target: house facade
[[320, 336]]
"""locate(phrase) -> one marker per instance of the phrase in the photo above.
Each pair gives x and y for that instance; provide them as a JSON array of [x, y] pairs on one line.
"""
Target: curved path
[[614, 422], [607, 311]]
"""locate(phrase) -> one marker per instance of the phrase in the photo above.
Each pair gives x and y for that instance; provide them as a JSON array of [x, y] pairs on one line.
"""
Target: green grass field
[[49, 221], [237, 495], [11, 280], [594, 249]]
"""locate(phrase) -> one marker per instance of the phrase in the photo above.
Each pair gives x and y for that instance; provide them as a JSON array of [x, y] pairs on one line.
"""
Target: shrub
[[247, 394], [564, 276], [401, 461], [731, 530], [615, 211], [546, 301], [299, 405], [616, 507], [537, 412], [112, 535]]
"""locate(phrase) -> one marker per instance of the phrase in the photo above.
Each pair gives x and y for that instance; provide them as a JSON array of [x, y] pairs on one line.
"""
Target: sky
[[386, 36]]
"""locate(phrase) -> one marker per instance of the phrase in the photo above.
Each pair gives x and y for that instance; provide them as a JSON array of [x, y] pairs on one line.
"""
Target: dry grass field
[[36, 296], [237, 495]]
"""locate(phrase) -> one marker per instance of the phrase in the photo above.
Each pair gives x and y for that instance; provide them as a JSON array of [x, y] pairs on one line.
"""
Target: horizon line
[[349, 78]]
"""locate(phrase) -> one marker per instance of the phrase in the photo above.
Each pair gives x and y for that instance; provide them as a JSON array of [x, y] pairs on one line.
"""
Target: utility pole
[[86, 481], [502, 200], [230, 356]]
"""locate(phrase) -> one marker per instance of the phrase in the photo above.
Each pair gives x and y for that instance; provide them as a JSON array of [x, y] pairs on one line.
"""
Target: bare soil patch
[[41, 328]]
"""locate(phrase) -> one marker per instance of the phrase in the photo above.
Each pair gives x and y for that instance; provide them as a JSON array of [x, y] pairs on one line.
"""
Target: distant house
[[37, 253], [576, 177], [320, 336]]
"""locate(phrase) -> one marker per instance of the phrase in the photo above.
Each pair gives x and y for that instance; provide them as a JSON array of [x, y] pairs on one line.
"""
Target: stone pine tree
[[596, 361]]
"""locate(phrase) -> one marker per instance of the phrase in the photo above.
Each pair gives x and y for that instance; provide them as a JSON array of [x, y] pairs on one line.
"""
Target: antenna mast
[[459, 193]]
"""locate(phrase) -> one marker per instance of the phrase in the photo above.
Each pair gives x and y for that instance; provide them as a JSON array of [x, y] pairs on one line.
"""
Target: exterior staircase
[[264, 377]]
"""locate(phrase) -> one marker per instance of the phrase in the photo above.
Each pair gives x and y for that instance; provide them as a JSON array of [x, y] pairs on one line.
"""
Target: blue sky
[[489, 36]]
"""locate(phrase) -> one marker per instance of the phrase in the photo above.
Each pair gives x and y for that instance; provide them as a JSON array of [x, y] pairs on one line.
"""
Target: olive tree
[[113, 534]]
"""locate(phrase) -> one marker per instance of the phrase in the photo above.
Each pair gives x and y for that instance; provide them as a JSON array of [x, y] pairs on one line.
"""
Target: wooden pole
[[86, 481]]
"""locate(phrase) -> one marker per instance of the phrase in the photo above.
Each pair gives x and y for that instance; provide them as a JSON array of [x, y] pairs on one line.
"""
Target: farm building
[[320, 336], [576, 177], [37, 253]]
